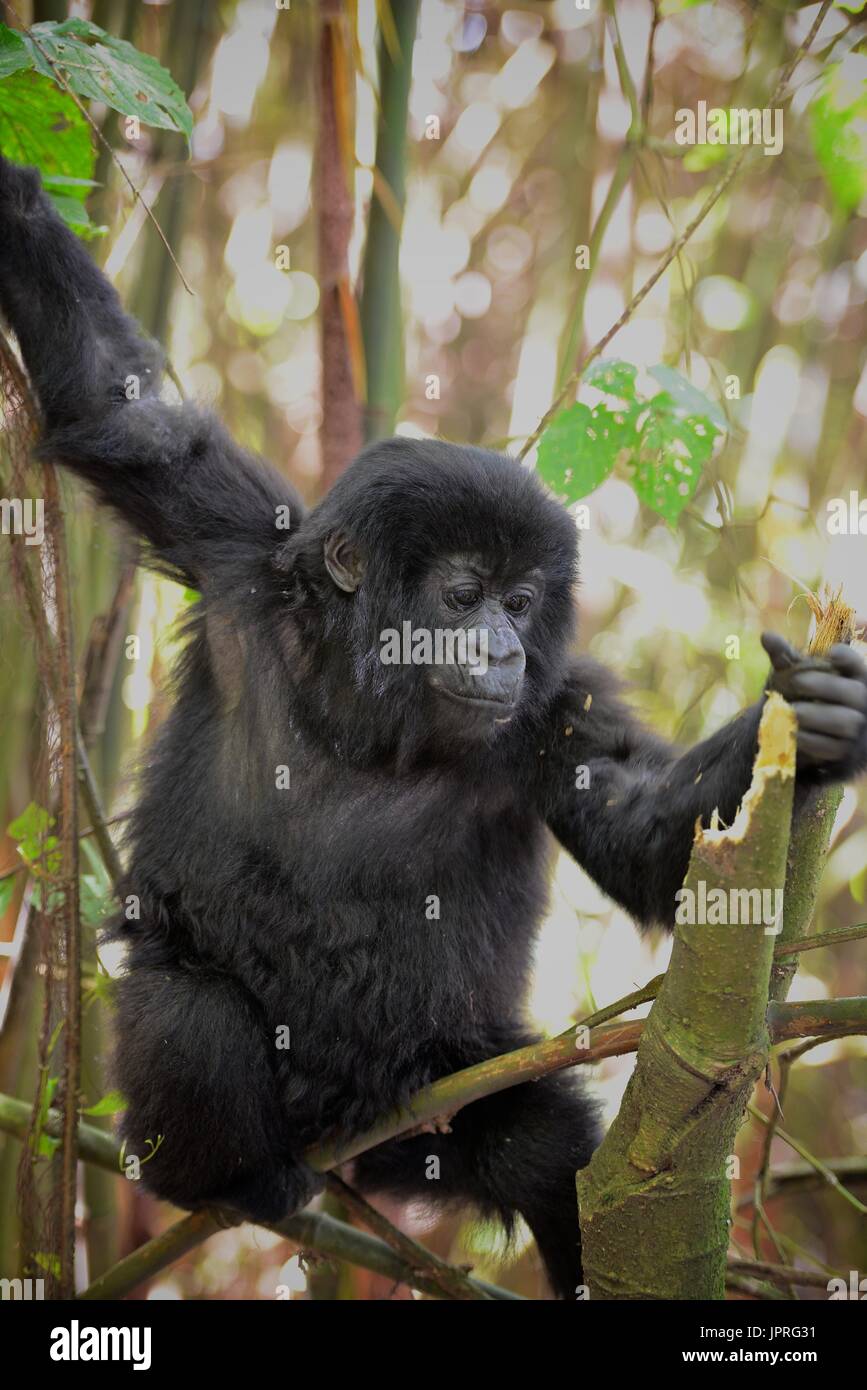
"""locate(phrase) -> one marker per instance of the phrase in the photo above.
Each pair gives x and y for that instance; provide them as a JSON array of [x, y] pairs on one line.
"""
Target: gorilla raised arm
[[339, 859], [172, 473]]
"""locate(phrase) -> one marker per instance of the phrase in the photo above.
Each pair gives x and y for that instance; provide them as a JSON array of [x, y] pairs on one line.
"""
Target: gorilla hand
[[829, 697]]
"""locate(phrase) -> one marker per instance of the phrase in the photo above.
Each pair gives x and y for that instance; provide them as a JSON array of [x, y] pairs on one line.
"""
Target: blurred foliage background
[[532, 130]]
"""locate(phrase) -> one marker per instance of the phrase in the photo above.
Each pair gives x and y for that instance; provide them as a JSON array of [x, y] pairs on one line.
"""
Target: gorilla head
[[421, 544]]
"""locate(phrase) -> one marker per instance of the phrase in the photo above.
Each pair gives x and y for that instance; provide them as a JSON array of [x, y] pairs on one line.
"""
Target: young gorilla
[[314, 907]]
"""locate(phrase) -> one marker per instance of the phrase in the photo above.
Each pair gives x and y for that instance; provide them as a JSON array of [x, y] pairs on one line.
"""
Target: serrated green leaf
[[111, 1104], [662, 444], [581, 446], [104, 68], [41, 125], [674, 449], [31, 829], [614, 376], [13, 52]]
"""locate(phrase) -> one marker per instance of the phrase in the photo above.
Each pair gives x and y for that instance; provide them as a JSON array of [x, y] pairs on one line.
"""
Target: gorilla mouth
[[480, 702]]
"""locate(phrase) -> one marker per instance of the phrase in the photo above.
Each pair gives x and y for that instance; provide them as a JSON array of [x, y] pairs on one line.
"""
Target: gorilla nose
[[505, 652]]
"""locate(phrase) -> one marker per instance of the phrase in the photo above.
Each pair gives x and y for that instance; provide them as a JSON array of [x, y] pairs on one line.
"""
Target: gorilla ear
[[344, 561]]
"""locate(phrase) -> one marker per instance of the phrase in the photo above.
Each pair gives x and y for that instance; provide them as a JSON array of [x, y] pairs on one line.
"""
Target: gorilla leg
[[194, 1066], [516, 1152]]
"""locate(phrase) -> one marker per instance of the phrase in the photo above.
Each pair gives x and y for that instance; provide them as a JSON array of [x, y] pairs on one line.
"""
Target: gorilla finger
[[833, 690], [782, 654], [848, 660], [837, 720], [818, 748]]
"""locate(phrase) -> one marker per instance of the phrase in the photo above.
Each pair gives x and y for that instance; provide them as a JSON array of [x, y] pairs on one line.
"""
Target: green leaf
[[674, 449], [41, 125], [7, 893], [94, 904], [50, 1263], [111, 1104], [13, 52], [96, 890], [662, 444], [688, 397], [31, 829], [76, 217], [838, 126], [45, 1145], [104, 68], [65, 181], [613, 376], [580, 447]]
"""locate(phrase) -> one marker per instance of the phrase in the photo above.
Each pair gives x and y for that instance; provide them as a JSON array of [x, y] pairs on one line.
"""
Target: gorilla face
[[482, 613], [462, 625], [435, 583]]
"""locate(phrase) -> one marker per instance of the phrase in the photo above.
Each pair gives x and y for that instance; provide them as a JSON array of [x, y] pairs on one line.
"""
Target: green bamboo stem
[[380, 311], [654, 1200]]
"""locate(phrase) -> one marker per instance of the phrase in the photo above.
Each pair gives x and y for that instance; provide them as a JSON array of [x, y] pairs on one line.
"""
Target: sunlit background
[[518, 117]]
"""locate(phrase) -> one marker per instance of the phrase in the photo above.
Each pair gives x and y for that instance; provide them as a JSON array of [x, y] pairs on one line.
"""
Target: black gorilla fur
[[305, 907]]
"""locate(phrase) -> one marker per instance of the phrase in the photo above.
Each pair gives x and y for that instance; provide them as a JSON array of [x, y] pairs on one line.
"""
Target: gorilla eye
[[518, 603], [464, 598]]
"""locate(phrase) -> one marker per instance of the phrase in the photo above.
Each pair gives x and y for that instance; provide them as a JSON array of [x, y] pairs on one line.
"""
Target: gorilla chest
[[379, 834]]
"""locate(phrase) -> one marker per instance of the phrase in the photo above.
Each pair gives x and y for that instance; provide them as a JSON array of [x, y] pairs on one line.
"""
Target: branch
[[306, 1229], [452, 1282], [824, 938], [788, 1178], [445, 1097], [68, 908], [822, 1168], [784, 1275], [47, 591], [817, 1018]]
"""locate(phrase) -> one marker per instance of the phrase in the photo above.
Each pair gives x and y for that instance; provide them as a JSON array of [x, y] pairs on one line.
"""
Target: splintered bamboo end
[[775, 757], [776, 750], [834, 620]]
